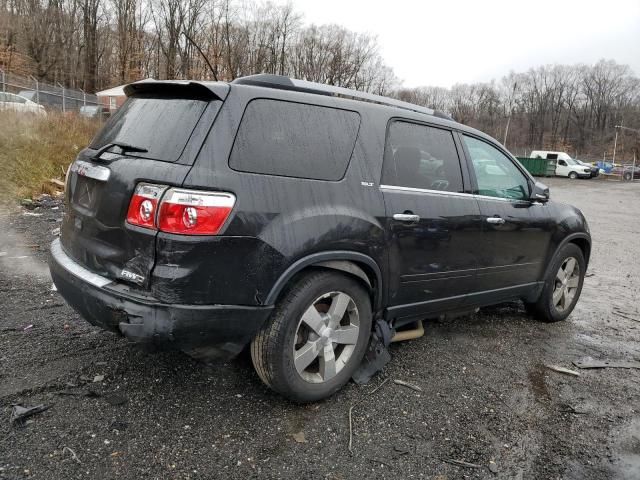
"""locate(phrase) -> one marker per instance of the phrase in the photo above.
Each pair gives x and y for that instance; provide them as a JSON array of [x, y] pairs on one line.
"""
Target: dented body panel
[[93, 229], [206, 332]]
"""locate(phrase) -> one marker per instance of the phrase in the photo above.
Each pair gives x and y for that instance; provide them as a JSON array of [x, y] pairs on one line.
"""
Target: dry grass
[[36, 149]]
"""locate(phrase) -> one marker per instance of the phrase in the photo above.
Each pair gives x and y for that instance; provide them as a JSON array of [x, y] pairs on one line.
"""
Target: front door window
[[496, 174]]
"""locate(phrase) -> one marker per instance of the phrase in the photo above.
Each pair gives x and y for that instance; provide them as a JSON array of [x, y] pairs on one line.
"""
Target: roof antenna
[[213, 70]]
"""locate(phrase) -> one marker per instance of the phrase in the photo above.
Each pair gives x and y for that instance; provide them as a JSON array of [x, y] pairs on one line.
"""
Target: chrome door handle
[[496, 220], [406, 217]]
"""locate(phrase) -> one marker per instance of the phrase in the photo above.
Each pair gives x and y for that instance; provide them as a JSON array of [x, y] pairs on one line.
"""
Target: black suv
[[298, 218]]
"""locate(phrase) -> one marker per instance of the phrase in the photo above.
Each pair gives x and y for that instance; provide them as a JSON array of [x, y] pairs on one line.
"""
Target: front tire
[[573, 175], [315, 338], [562, 285], [627, 176]]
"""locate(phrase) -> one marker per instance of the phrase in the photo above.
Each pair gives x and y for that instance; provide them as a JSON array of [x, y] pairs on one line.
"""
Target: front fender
[[572, 228]]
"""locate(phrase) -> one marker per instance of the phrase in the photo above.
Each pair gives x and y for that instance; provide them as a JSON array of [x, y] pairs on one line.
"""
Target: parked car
[[72, 100], [631, 172], [95, 111], [573, 169], [306, 221], [550, 155], [565, 165], [17, 103], [595, 171]]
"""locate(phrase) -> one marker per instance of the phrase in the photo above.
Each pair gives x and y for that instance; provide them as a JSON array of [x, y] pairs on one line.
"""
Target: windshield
[[161, 126]]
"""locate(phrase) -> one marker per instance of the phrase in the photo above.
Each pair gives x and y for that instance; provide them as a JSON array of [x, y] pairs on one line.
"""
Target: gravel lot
[[486, 393]]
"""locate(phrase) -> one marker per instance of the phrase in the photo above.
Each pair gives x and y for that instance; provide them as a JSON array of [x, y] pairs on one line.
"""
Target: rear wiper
[[125, 147]]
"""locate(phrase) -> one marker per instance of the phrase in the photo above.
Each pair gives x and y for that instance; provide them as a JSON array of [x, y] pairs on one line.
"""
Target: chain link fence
[[52, 97], [626, 170]]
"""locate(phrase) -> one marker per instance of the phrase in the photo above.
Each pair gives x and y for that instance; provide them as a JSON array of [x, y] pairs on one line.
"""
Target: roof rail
[[285, 83]]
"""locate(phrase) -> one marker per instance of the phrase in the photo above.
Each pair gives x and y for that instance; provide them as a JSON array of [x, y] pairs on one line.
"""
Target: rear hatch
[[152, 139]]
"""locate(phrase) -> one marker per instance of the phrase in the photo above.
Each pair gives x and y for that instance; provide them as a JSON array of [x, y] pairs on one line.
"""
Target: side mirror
[[540, 192]]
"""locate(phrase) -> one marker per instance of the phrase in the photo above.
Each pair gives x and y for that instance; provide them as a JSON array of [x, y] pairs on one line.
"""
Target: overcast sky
[[459, 41]]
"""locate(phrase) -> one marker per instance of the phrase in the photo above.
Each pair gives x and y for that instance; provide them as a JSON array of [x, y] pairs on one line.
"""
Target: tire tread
[[267, 344], [541, 309]]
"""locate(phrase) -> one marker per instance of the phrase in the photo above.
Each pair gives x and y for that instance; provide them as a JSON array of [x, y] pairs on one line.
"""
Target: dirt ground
[[487, 398]]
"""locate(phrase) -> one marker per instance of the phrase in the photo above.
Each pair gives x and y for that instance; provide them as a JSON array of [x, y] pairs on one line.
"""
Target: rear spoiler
[[179, 89]]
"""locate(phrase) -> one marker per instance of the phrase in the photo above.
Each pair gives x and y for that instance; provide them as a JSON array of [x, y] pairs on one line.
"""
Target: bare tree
[[99, 43]]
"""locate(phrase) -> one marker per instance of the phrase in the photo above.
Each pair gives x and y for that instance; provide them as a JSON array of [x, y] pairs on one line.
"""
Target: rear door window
[[160, 125], [420, 156], [294, 140]]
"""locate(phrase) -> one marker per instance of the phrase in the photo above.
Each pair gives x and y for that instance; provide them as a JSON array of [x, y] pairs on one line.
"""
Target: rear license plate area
[[86, 192]]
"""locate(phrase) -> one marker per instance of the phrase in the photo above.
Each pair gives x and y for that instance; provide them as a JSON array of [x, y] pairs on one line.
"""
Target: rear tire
[[315, 338], [562, 286], [627, 176], [573, 175]]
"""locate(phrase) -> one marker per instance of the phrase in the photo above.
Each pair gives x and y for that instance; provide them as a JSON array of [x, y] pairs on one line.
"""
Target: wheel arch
[[580, 239], [585, 245], [355, 264]]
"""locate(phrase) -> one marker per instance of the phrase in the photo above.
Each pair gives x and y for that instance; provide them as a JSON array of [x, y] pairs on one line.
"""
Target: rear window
[[160, 125], [295, 140]]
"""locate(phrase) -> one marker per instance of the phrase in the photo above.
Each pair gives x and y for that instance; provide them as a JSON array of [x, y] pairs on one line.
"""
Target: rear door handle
[[496, 220], [406, 217]]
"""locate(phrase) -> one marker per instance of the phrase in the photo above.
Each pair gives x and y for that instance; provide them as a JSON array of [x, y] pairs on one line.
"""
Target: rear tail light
[[194, 213], [144, 205], [181, 211]]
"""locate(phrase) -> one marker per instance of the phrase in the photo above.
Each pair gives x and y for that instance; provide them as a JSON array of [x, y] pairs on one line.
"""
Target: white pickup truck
[[565, 165]]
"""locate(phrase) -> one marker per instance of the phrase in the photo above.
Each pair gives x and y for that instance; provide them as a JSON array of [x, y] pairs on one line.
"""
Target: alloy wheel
[[326, 337], [566, 284]]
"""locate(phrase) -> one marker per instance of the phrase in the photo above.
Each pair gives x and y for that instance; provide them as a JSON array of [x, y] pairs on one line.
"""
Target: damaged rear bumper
[[206, 332]]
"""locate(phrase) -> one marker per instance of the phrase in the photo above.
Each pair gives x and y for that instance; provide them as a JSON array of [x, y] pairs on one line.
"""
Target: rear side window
[[294, 140], [161, 126], [420, 156]]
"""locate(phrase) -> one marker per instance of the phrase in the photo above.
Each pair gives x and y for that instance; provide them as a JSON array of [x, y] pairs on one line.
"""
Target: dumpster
[[539, 167]]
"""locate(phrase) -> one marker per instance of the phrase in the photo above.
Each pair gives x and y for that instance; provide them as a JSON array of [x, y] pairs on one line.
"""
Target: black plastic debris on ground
[[19, 414], [114, 398], [374, 360], [80, 393], [119, 425]]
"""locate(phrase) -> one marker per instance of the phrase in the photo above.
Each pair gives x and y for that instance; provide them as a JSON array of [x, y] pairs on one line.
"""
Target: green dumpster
[[540, 167]]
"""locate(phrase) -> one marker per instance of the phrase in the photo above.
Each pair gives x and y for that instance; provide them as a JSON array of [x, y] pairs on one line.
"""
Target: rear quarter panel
[[276, 220]]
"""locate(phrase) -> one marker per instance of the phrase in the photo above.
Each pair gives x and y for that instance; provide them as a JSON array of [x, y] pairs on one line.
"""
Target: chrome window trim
[[74, 268], [424, 190], [453, 194], [500, 199]]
